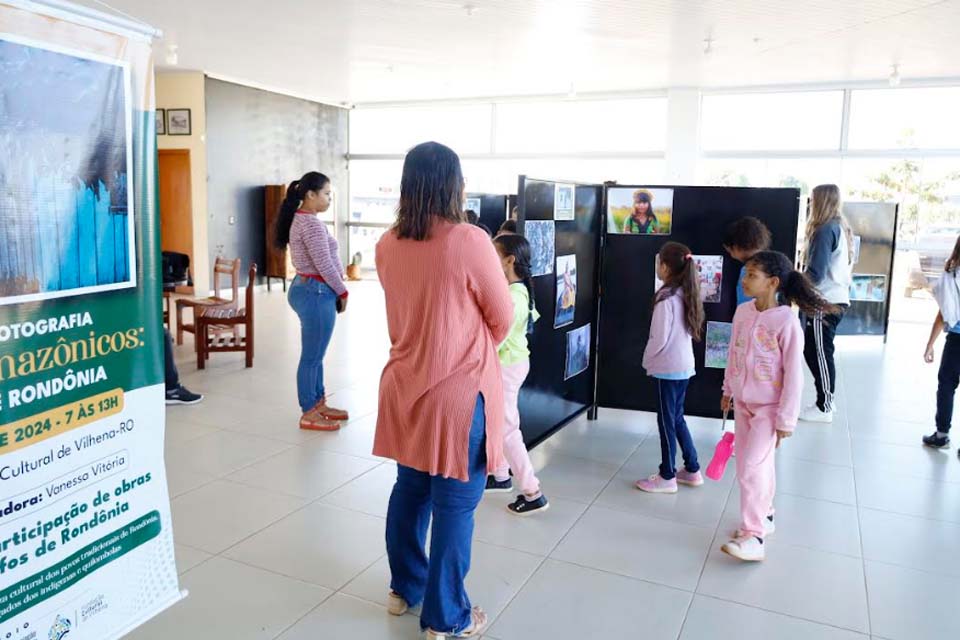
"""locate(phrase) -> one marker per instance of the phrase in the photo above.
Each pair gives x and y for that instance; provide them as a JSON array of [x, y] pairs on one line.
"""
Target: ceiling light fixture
[[470, 9], [172, 57], [894, 79], [708, 45]]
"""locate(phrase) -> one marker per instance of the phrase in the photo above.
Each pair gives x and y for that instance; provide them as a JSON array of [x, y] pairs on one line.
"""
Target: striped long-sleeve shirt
[[314, 252], [448, 307]]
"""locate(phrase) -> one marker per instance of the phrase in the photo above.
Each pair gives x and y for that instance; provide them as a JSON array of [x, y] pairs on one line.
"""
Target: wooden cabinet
[[278, 260]]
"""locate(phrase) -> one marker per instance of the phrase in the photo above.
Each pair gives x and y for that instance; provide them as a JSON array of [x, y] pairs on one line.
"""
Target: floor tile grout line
[[549, 555], [785, 615], [856, 491]]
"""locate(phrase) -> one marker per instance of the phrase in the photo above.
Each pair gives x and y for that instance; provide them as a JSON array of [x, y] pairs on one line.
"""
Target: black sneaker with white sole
[[182, 395], [498, 486], [936, 441], [523, 507]]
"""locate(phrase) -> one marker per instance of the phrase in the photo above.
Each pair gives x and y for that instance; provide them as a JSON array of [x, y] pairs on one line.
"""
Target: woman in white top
[[828, 259]]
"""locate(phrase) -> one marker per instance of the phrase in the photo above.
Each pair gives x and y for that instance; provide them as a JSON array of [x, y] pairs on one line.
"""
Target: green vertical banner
[[86, 545]]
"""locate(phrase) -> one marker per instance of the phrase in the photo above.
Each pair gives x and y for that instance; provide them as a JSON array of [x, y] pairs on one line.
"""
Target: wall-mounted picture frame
[[161, 121], [178, 122]]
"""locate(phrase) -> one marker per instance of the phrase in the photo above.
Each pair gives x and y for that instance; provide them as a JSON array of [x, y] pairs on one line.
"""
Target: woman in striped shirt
[[441, 396], [317, 294]]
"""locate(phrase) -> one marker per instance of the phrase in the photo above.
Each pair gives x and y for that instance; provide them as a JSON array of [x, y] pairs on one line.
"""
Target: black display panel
[[874, 226], [548, 399], [698, 219], [493, 209]]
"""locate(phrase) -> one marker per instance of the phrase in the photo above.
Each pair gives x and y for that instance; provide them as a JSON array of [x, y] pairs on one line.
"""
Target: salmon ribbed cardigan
[[448, 307]]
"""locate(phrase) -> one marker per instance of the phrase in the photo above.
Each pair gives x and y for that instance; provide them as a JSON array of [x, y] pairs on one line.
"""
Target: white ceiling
[[392, 50]]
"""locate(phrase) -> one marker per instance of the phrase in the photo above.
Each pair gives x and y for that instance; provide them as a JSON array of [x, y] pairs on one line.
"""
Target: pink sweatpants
[[756, 443], [514, 452]]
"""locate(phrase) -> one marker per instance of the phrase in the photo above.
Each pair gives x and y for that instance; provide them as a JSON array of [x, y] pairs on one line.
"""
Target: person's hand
[[782, 435], [341, 305], [928, 355], [726, 403]]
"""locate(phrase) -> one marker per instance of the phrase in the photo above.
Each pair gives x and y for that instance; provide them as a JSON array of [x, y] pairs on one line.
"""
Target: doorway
[[176, 208]]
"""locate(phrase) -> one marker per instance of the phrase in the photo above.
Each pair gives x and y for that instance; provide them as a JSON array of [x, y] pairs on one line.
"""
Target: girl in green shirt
[[514, 252]]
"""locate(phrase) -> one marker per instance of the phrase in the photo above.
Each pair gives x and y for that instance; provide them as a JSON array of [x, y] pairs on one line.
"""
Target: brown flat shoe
[[313, 421], [330, 413]]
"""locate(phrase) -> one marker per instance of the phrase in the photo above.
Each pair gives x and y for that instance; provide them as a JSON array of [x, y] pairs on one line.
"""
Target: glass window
[[374, 190], [638, 124], [464, 128], [771, 121], [905, 118], [501, 176], [363, 241], [802, 173]]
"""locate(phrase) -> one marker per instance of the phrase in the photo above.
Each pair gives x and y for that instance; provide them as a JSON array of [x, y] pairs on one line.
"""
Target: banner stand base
[[144, 619]]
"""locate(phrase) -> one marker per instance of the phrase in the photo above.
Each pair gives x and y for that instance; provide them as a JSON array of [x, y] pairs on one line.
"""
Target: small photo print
[[160, 121], [868, 288], [566, 290], [640, 211], [472, 204], [710, 269], [541, 234], [718, 344], [578, 351], [563, 202]]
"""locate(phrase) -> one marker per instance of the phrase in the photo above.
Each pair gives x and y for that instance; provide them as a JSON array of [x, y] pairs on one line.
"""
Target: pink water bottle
[[720, 457]]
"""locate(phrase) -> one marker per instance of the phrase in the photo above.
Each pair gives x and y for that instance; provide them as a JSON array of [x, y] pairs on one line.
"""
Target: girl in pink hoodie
[[677, 322], [764, 383]]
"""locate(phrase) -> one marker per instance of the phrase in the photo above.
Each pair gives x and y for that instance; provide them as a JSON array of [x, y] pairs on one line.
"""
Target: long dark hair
[[431, 188], [795, 287], [518, 247], [685, 277], [954, 261], [296, 192]]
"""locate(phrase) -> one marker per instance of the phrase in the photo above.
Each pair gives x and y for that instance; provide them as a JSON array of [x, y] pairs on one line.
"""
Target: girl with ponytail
[[764, 383], [514, 253], [668, 357], [317, 294]]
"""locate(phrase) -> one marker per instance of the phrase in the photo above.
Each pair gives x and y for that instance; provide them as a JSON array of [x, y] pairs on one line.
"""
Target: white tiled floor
[[280, 532]]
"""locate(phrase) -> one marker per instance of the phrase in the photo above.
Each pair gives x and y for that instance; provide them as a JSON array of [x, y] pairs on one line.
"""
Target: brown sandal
[[313, 421], [330, 413]]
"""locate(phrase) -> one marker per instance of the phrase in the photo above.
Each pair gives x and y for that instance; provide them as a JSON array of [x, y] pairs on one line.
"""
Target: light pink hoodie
[[669, 350], [765, 363]]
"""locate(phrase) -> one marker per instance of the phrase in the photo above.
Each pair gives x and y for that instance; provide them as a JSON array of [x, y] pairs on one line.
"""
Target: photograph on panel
[[718, 344], [578, 351], [640, 211], [566, 290], [710, 270], [563, 202], [541, 235], [868, 287]]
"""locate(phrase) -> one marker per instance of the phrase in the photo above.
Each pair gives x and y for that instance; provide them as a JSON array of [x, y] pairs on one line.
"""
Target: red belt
[[312, 276]]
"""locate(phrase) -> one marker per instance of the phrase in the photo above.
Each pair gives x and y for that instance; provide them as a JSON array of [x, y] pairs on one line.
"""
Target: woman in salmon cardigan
[[441, 398]]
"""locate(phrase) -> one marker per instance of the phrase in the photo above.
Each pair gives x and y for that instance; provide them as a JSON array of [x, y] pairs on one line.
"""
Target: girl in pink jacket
[[668, 357], [764, 382]]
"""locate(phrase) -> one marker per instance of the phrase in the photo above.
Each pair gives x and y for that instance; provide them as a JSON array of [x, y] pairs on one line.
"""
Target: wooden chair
[[222, 268], [218, 328]]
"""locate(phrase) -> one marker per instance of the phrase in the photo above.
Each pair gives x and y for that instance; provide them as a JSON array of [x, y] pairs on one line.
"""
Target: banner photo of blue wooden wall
[[66, 214]]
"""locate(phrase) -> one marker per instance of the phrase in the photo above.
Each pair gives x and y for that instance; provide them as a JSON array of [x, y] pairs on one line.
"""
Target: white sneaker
[[748, 549], [813, 414]]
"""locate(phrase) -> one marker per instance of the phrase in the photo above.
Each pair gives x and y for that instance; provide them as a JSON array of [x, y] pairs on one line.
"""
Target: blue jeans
[[437, 582], [673, 428], [316, 304]]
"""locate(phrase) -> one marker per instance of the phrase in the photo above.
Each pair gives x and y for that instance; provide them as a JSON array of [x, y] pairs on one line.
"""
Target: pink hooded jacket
[[765, 362]]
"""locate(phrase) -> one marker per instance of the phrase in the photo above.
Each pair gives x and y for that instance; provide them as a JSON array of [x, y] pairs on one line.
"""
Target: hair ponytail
[[795, 287], [519, 248], [684, 276], [296, 192]]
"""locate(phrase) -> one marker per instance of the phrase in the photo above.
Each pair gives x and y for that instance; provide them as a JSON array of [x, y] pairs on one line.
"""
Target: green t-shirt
[[514, 349]]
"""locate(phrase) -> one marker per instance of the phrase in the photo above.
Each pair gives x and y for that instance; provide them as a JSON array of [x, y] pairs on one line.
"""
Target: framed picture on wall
[[161, 121], [646, 212], [178, 122]]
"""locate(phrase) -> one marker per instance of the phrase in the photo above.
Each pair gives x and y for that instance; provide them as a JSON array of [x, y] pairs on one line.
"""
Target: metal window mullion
[[845, 121]]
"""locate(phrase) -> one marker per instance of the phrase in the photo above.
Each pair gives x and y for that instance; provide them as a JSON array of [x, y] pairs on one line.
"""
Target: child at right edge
[[764, 383]]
